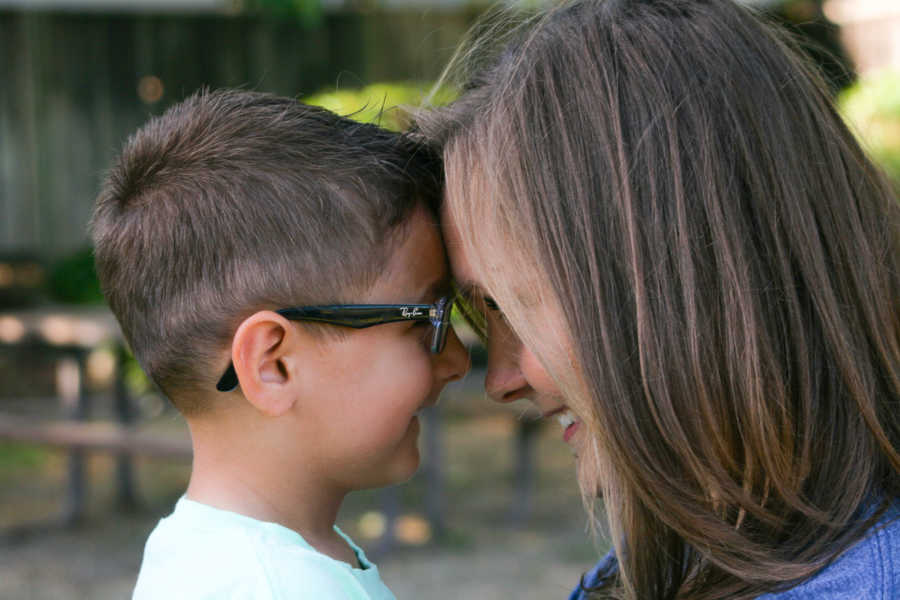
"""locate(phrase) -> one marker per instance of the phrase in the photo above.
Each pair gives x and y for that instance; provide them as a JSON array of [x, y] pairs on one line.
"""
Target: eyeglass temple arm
[[361, 316], [355, 317]]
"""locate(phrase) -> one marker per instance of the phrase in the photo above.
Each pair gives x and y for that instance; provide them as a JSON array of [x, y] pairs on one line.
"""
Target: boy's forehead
[[417, 268]]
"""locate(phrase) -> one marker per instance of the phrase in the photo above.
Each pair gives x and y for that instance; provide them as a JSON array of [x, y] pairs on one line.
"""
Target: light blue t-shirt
[[203, 553], [869, 570]]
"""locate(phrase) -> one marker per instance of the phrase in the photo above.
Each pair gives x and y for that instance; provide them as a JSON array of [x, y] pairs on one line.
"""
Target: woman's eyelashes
[[492, 306]]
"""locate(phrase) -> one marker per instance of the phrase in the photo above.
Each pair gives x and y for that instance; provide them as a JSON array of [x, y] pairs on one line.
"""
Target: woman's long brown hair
[[666, 189]]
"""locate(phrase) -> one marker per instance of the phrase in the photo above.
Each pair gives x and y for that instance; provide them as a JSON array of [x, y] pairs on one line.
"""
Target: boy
[[241, 240]]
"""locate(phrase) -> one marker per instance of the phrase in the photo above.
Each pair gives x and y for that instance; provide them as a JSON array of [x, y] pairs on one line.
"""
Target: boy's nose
[[453, 362]]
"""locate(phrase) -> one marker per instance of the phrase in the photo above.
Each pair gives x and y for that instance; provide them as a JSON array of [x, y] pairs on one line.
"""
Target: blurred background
[[91, 456]]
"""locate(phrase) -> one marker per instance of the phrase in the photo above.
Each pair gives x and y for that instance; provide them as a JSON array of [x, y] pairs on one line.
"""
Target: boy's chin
[[401, 470], [395, 469], [406, 460]]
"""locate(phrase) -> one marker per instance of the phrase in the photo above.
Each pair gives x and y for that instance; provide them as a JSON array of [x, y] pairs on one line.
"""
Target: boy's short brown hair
[[233, 202]]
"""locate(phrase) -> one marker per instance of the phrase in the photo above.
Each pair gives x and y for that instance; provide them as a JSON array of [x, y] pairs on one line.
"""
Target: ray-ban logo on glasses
[[408, 312]]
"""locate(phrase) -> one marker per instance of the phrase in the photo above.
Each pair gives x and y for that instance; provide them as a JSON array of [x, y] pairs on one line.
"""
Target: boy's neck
[[235, 479]]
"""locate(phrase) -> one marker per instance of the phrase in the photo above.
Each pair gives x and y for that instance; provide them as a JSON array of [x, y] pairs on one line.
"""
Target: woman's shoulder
[[868, 570], [592, 578]]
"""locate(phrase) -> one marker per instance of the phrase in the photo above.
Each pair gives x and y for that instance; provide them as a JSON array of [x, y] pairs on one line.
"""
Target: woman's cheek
[[536, 374]]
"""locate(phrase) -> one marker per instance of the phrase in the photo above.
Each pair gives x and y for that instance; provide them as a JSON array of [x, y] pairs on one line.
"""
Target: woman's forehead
[[460, 265]]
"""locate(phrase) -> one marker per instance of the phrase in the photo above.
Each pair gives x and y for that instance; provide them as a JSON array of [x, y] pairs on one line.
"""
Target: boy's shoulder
[[202, 552]]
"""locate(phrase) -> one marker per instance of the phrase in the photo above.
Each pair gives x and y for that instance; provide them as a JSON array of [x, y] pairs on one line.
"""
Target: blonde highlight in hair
[[676, 222]]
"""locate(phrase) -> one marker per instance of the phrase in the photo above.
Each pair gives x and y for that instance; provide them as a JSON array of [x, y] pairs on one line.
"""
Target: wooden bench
[[106, 437], [67, 335]]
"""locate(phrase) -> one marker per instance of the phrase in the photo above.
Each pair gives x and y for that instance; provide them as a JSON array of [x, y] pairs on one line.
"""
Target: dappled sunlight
[[12, 330]]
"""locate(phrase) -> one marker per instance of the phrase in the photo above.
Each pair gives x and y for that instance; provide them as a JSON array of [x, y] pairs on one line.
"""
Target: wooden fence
[[74, 86]]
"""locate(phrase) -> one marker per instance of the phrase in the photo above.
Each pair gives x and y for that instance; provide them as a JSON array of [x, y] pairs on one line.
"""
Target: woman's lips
[[523, 392], [567, 421]]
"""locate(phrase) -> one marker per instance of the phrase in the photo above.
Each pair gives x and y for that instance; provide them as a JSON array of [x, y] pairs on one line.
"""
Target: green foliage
[[136, 380], [15, 457], [73, 279], [872, 107], [307, 12], [380, 103]]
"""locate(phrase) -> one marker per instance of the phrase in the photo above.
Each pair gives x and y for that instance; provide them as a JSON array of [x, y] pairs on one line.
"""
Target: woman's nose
[[504, 381]]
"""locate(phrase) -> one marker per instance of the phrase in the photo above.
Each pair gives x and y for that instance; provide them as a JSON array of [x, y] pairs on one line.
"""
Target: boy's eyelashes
[[490, 303]]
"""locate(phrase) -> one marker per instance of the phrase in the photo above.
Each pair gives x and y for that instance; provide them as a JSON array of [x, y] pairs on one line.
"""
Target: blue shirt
[[868, 570], [200, 552]]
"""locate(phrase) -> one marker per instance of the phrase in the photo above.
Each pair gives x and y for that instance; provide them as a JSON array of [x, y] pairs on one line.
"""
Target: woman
[[659, 200]]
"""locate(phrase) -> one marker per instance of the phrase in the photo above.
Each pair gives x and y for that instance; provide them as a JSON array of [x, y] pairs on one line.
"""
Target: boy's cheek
[[376, 453]]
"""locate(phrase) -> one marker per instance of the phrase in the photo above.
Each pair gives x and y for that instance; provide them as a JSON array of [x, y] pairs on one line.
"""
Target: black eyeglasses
[[360, 316]]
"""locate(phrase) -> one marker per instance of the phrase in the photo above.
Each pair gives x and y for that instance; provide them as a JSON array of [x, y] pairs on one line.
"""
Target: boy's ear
[[263, 356]]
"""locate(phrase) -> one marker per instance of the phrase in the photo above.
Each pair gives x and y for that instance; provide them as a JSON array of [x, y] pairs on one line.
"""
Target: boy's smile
[[367, 385]]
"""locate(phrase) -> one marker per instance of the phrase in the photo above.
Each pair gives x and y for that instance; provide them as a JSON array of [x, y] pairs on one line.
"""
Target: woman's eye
[[492, 306]]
